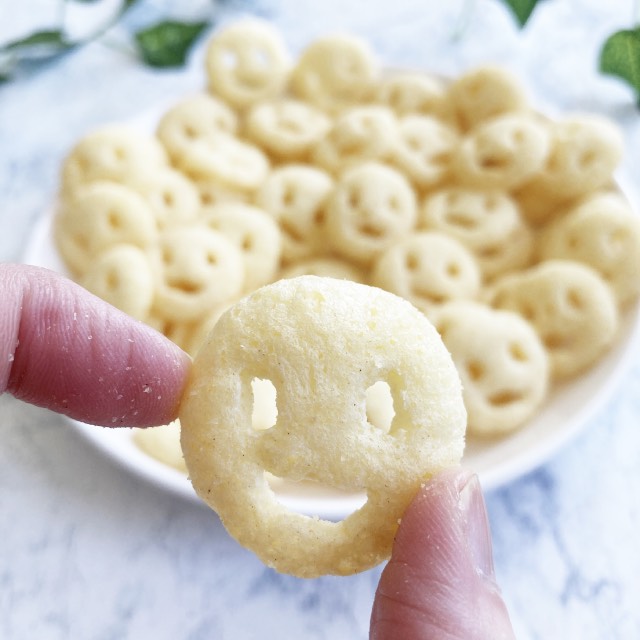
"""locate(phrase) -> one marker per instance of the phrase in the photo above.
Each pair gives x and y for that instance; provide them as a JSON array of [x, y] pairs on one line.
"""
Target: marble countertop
[[89, 551]]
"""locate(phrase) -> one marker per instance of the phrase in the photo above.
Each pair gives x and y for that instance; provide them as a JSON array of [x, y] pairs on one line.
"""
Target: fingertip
[[73, 353], [440, 581]]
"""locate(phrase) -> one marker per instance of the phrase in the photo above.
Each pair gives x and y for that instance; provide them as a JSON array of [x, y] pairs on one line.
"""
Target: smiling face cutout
[[371, 207], [322, 343], [122, 276], [111, 153], [335, 72], [486, 221], [360, 134], [503, 153], [288, 129], [423, 150], [102, 215], [194, 122], [296, 196], [502, 363], [428, 269], [571, 307], [196, 268], [247, 62], [256, 236], [603, 232]]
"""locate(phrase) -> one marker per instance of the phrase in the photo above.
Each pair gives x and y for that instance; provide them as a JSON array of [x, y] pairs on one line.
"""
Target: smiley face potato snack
[[449, 192], [502, 363], [323, 343]]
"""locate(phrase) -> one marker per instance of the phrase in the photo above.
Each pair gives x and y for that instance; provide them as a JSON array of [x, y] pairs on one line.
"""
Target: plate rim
[[619, 358]]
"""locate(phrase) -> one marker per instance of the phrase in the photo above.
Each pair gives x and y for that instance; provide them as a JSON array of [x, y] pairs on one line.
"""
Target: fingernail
[[474, 513]]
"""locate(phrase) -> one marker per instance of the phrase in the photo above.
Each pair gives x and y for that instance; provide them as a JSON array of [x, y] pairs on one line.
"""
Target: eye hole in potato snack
[[323, 343], [503, 226]]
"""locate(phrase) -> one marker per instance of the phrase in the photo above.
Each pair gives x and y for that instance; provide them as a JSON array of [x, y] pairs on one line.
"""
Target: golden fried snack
[[603, 232], [286, 129], [370, 208], [486, 221], [195, 269], [570, 306], [415, 93], [199, 135], [255, 234], [502, 363], [436, 190], [585, 151], [173, 198], [428, 269], [190, 128], [360, 134], [122, 276], [99, 216], [325, 267], [335, 72], [423, 150], [225, 159], [321, 343], [212, 192], [196, 118], [296, 196], [247, 62], [502, 153], [111, 153], [485, 92]]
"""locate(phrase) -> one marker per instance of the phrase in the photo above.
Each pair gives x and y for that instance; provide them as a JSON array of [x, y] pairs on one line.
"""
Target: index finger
[[64, 349]]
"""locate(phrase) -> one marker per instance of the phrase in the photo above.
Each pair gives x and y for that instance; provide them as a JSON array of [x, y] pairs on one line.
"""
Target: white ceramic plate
[[568, 409]]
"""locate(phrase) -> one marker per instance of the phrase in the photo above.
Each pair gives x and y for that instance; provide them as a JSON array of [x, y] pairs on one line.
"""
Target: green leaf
[[522, 9], [620, 56], [45, 45], [167, 43], [48, 41]]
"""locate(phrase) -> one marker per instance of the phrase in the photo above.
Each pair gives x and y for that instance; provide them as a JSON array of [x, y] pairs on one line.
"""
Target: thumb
[[440, 581]]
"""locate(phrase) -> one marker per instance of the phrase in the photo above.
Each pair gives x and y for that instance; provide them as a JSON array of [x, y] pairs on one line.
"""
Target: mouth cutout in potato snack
[[322, 343]]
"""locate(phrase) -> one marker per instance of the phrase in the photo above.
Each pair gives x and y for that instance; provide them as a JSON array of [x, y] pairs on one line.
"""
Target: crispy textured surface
[[370, 208], [247, 62], [322, 343], [487, 221], [99, 216], [111, 153], [603, 232], [571, 307], [323, 164], [428, 269], [335, 72], [502, 362], [483, 93], [504, 152]]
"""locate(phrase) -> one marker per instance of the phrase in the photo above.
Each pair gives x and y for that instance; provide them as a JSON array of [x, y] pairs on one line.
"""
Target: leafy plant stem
[[47, 44]]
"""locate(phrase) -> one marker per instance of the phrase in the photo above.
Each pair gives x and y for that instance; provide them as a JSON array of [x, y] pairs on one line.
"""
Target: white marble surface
[[88, 551]]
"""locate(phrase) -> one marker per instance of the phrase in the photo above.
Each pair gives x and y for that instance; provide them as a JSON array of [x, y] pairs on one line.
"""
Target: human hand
[[440, 583], [64, 349]]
